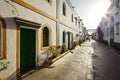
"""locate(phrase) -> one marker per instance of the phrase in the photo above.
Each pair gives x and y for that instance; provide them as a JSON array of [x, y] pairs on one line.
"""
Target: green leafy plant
[[55, 51], [80, 42], [76, 43], [4, 65], [64, 47], [116, 46], [83, 40], [103, 41]]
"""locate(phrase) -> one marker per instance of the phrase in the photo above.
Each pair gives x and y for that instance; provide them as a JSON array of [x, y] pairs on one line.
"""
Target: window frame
[[64, 37], [117, 10], [48, 44], [117, 28], [76, 21], [1, 47], [72, 18], [50, 36], [3, 38], [64, 9]]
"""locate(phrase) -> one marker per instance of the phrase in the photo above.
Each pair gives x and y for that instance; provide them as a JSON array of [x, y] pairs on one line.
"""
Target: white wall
[[7, 11], [65, 22], [66, 29], [67, 19], [112, 12], [44, 6], [117, 19], [11, 49]]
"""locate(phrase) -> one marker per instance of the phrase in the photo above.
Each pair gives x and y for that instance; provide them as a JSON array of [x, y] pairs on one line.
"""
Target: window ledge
[[45, 48]]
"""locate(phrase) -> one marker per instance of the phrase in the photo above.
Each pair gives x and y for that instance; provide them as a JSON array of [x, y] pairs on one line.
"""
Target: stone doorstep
[[26, 74]]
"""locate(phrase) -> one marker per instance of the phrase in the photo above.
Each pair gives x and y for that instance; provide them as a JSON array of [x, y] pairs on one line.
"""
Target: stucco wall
[[117, 19], [65, 22], [112, 13], [66, 29], [11, 9], [11, 49], [67, 19], [45, 6]]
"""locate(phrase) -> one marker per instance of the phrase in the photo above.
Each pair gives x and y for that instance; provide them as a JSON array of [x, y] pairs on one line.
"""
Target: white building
[[110, 24], [68, 26], [27, 28]]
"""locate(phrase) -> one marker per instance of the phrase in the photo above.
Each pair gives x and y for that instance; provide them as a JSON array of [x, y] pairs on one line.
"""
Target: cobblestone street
[[90, 61]]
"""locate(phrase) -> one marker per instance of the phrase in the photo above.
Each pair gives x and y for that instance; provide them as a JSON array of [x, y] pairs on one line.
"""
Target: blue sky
[[91, 11]]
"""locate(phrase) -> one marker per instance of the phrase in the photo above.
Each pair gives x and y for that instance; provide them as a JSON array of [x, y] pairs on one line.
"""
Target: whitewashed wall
[[66, 23], [112, 12], [117, 19], [7, 11], [44, 6], [66, 29], [67, 19]]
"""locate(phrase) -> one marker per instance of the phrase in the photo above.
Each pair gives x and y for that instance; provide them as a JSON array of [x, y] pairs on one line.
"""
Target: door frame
[[23, 27], [28, 25]]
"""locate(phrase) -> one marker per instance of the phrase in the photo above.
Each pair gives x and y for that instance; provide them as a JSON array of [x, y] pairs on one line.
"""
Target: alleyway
[[90, 61], [106, 62]]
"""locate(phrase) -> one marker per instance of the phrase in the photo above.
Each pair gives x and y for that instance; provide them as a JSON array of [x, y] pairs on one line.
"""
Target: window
[[72, 38], [117, 28], [63, 36], [0, 39], [45, 37], [64, 9], [75, 21], [117, 10], [72, 17], [49, 0]]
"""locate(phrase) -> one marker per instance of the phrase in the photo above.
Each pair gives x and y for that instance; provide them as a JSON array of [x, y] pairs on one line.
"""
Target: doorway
[[27, 49]]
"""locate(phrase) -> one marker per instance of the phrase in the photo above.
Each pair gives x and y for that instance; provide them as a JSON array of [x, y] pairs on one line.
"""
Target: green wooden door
[[68, 41], [27, 49]]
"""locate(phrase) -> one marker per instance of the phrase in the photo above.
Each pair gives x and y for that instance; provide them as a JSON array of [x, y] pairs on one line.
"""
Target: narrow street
[[91, 61], [106, 62]]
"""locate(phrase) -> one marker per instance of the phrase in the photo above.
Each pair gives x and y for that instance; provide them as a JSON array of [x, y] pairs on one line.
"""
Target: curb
[[62, 55]]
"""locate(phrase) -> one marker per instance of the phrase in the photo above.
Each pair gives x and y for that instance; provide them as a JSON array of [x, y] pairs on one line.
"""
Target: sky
[[91, 11]]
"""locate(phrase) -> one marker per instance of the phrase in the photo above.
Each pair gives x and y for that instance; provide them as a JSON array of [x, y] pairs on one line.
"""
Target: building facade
[[68, 24], [109, 24], [29, 27]]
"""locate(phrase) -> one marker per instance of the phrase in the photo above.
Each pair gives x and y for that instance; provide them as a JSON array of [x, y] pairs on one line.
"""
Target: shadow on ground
[[106, 62]]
